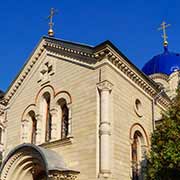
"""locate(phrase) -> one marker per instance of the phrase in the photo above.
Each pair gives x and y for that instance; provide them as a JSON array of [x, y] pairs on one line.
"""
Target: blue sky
[[130, 24]]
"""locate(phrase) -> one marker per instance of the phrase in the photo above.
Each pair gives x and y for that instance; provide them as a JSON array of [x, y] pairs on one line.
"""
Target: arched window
[[138, 153], [34, 127], [48, 117], [64, 118], [139, 147]]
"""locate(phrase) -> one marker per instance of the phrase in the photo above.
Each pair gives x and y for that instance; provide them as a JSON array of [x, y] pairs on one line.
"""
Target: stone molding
[[58, 143], [131, 73], [159, 76], [25, 71], [69, 50], [115, 58], [9, 165], [105, 85], [62, 176]]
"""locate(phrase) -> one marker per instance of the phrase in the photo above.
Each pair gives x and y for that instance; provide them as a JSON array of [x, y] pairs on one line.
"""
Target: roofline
[[107, 42], [94, 50], [24, 65], [34, 49], [69, 42]]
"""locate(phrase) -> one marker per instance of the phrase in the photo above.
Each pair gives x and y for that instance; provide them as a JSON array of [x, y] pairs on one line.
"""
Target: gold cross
[[51, 24], [163, 28]]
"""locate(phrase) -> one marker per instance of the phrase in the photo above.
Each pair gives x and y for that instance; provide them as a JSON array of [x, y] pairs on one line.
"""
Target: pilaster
[[105, 88], [54, 124], [39, 129]]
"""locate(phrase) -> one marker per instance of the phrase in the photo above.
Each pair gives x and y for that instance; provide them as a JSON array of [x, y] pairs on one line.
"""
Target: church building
[[77, 112]]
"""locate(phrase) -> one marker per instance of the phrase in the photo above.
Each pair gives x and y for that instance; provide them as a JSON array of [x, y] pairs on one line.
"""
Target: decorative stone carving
[[47, 70], [62, 176], [105, 85]]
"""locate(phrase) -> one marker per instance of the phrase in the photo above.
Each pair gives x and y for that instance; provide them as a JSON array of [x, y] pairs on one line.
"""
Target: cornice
[[159, 76], [137, 77], [24, 72], [53, 45], [91, 55], [49, 44], [58, 143]]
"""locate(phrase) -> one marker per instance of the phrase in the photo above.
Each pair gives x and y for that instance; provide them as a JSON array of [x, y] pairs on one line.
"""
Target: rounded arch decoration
[[138, 127], [31, 107], [63, 95], [29, 124], [139, 147], [45, 118], [44, 90], [63, 108], [31, 162]]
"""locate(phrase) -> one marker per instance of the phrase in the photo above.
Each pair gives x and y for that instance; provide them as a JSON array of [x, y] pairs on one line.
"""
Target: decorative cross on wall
[[47, 68], [46, 71]]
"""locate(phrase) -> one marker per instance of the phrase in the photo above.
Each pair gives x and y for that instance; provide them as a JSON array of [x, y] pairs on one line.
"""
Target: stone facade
[[110, 103]]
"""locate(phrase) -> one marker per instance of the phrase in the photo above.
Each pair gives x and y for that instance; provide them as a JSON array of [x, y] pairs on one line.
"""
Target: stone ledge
[[60, 142]]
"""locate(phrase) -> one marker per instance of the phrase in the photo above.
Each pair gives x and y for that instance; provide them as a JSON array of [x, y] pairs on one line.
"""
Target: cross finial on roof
[[51, 24], [163, 28]]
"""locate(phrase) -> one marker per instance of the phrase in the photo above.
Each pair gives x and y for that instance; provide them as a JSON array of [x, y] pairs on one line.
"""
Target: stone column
[[39, 129], [105, 88], [70, 121], [54, 133], [25, 131]]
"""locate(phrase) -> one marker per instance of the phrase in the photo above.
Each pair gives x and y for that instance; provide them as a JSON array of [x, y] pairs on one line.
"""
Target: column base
[[104, 175]]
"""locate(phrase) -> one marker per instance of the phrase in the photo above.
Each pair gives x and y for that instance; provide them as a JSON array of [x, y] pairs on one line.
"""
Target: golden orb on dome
[[51, 33]]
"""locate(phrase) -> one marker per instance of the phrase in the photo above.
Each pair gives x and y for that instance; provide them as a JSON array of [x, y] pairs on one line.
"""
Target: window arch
[[33, 127], [50, 119], [139, 146], [29, 125], [64, 117], [136, 155]]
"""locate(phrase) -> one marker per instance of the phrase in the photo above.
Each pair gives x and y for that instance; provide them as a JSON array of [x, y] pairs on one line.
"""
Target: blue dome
[[164, 63]]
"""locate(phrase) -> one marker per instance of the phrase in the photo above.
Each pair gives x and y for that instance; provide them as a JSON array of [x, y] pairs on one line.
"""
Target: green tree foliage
[[163, 162]]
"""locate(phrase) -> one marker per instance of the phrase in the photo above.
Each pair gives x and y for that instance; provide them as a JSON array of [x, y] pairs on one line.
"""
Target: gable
[[85, 56]]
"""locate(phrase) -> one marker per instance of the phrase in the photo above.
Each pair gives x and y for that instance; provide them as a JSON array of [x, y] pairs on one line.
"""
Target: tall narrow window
[[48, 117], [64, 118], [65, 124], [136, 156], [34, 127]]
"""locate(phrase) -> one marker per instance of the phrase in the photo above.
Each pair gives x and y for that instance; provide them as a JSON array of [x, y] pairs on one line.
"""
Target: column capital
[[105, 85], [53, 111], [25, 120], [38, 117]]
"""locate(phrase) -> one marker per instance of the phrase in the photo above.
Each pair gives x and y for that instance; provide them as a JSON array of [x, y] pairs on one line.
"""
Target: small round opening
[[138, 107], [138, 104]]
